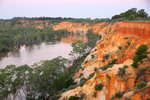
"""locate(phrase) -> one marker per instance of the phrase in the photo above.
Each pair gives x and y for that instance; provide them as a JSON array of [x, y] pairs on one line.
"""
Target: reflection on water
[[31, 54]]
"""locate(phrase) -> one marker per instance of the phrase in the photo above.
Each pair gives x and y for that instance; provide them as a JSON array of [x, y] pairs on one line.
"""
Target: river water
[[32, 54]]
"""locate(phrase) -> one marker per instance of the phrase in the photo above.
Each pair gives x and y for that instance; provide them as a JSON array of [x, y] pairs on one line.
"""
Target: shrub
[[92, 56], [142, 72], [109, 78], [71, 87], [95, 94], [141, 85], [119, 94], [95, 69], [82, 81], [106, 67], [128, 43], [103, 60], [99, 86], [91, 75], [73, 98], [126, 38], [119, 47], [106, 56], [114, 61], [86, 62], [81, 74], [121, 72], [140, 54], [125, 66]]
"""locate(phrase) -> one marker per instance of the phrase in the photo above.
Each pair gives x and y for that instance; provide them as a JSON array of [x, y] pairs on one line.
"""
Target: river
[[32, 54]]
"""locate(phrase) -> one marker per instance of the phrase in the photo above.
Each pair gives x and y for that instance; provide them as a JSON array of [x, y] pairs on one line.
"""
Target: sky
[[69, 8]]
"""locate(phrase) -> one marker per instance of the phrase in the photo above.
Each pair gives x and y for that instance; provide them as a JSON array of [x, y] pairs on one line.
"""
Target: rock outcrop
[[120, 41]]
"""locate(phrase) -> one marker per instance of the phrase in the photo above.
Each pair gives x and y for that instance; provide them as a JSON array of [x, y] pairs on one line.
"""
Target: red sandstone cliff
[[127, 35]]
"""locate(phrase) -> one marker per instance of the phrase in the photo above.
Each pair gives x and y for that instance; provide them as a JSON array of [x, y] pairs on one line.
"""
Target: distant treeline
[[60, 19], [129, 15]]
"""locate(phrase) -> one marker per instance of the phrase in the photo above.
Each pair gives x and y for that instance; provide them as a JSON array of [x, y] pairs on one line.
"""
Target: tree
[[99, 86], [142, 14], [129, 13], [92, 38], [116, 17], [79, 48], [48, 78], [140, 54], [13, 80]]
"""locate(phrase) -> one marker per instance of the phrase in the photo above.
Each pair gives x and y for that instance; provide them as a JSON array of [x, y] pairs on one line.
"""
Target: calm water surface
[[36, 53]]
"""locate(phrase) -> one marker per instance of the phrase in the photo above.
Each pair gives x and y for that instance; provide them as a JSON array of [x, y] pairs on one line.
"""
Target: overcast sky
[[69, 8]]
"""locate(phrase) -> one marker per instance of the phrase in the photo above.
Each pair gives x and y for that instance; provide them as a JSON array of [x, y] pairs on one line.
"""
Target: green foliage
[[12, 79], [131, 14], [99, 86], [106, 67], [14, 36], [48, 77], [92, 38], [116, 16], [86, 62], [73, 98], [71, 87], [142, 14], [128, 43], [103, 60], [119, 47], [82, 81], [95, 69], [121, 72], [141, 85], [125, 66], [114, 61], [95, 94], [77, 64], [91, 75], [78, 48], [106, 56], [125, 38], [119, 94], [81, 74], [142, 72], [140, 54], [92, 56]]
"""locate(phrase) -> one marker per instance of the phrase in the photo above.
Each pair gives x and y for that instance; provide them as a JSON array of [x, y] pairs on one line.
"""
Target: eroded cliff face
[[120, 41], [79, 30]]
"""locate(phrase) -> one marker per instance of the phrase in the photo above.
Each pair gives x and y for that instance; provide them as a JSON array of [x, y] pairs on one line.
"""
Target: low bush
[[86, 62], [91, 75], [81, 74], [125, 66], [114, 61], [119, 94], [119, 47], [92, 56], [106, 67], [121, 72], [106, 56], [125, 38], [141, 85], [99, 86], [128, 43], [82, 81], [95, 94], [103, 60], [73, 98], [95, 69], [140, 54]]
